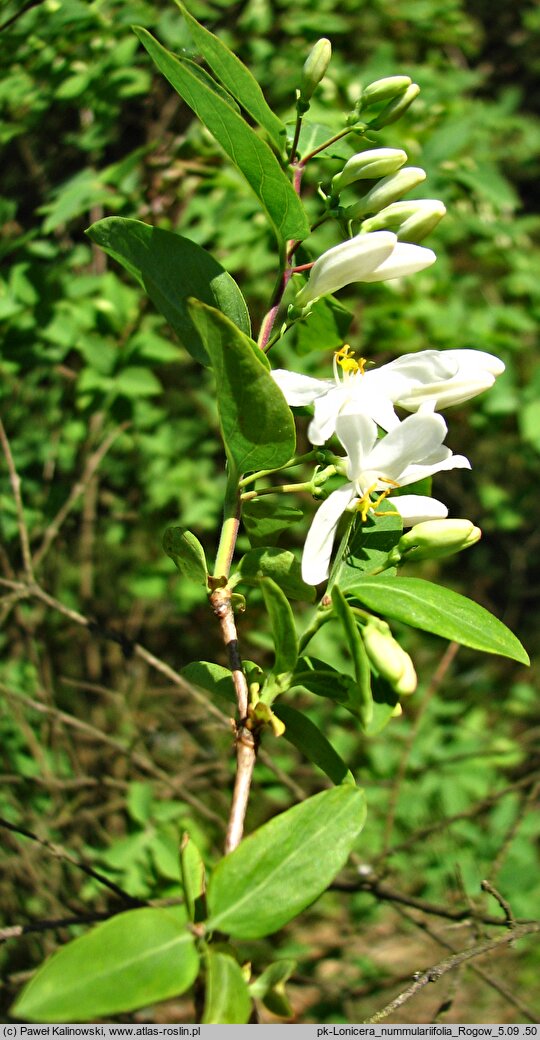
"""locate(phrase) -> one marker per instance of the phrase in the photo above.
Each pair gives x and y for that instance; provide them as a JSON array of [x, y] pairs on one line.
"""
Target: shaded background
[[113, 433]]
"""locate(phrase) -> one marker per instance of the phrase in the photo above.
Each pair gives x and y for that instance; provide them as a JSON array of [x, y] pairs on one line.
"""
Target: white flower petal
[[416, 438], [404, 259], [414, 509], [350, 261], [300, 390], [320, 537], [327, 409], [357, 433]]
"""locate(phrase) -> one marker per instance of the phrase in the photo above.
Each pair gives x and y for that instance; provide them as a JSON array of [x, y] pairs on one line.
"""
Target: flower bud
[[434, 539], [366, 258], [372, 164], [385, 89], [315, 67], [410, 221], [388, 657], [350, 261], [392, 112], [385, 192]]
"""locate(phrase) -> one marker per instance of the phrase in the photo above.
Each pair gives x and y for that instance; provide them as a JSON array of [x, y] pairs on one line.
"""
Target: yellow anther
[[366, 505], [346, 361]]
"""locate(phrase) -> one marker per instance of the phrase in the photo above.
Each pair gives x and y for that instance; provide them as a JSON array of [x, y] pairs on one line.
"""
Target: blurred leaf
[[135, 959], [227, 999], [171, 269], [436, 609], [256, 421], [270, 987], [249, 154], [285, 865]]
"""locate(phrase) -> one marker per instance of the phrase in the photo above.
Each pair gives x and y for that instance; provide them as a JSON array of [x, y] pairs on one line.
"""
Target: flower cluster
[[383, 453]]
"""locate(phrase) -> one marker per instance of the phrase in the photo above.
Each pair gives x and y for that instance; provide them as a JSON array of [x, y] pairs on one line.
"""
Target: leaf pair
[[143, 956], [250, 154]]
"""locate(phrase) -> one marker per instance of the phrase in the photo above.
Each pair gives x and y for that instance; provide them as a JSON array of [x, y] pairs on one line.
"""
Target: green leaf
[[308, 739], [187, 554], [285, 865], [320, 678], [171, 269], [136, 381], [256, 422], [270, 987], [362, 671], [280, 565], [135, 959], [266, 518], [193, 878], [235, 77], [422, 604], [227, 996], [369, 547], [249, 153], [283, 627], [212, 677], [326, 327]]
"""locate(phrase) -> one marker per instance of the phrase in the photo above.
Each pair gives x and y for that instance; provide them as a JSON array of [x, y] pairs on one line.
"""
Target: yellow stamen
[[366, 505], [346, 361]]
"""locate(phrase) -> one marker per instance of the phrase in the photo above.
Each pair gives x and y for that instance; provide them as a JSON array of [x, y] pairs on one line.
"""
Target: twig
[[92, 464], [246, 739], [383, 892], [15, 931], [136, 757], [14, 17], [60, 853], [488, 979], [15, 482], [436, 972], [510, 920]]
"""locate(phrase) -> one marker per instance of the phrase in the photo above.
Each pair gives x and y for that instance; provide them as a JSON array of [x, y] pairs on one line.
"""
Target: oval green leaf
[[431, 607], [285, 865], [227, 999], [252, 156], [171, 269], [135, 959], [256, 422]]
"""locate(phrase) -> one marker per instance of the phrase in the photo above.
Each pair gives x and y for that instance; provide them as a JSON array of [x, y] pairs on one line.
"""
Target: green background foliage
[[107, 412]]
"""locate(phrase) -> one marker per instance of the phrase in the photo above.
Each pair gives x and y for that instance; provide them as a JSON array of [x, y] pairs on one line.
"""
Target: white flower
[[431, 378], [373, 257], [411, 451]]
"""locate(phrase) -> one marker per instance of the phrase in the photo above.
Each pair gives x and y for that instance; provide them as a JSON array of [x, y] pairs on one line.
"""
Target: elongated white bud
[[385, 89], [377, 162], [350, 261], [315, 67], [392, 112], [385, 192], [410, 221], [388, 657], [437, 538]]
